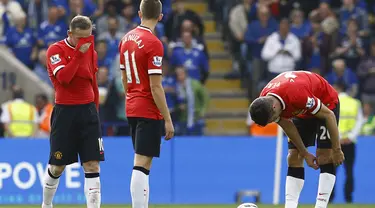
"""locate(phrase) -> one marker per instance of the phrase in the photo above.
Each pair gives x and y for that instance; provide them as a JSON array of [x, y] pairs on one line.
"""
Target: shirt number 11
[[128, 68]]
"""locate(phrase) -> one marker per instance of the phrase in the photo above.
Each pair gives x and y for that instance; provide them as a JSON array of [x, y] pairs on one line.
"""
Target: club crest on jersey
[[310, 103], [55, 59], [158, 61]]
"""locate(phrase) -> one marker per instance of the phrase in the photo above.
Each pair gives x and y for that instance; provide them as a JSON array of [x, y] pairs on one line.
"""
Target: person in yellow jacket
[[44, 108], [350, 125], [18, 116]]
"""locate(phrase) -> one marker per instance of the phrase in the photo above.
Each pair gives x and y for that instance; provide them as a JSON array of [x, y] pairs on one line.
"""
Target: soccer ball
[[248, 205]]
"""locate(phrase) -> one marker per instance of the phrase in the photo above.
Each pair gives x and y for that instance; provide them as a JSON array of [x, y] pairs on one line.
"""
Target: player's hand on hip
[[311, 161], [338, 157], [85, 47], [169, 130]]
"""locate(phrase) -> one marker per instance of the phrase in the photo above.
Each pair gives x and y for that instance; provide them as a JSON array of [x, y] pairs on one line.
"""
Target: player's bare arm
[[291, 131], [124, 80], [327, 115], [159, 97]]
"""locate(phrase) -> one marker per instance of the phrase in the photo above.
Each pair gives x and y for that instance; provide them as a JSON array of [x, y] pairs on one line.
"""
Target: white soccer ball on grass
[[248, 205]]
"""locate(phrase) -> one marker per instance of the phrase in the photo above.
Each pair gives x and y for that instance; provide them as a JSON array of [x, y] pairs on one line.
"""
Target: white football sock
[[326, 183], [147, 192], [92, 190], [138, 189], [49, 188], [293, 188]]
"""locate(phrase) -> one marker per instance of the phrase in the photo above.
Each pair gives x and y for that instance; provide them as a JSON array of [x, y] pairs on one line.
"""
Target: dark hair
[[261, 111], [18, 93], [286, 20], [101, 42], [80, 22], [42, 97], [151, 9], [341, 85]]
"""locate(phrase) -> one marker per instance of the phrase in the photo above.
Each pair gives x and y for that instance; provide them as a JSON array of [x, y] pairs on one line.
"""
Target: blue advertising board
[[191, 170]]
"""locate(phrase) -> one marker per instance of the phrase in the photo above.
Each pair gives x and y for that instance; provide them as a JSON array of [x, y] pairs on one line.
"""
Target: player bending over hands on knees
[[306, 106], [141, 64]]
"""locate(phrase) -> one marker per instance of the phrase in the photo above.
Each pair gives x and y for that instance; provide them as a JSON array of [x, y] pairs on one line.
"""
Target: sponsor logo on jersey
[[310, 103], [55, 59], [158, 61]]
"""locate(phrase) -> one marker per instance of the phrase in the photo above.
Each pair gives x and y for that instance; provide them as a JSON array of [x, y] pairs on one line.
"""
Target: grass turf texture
[[190, 206]]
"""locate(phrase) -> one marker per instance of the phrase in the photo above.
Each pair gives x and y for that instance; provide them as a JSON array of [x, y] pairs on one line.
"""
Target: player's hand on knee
[[169, 130], [338, 157], [311, 161], [85, 47]]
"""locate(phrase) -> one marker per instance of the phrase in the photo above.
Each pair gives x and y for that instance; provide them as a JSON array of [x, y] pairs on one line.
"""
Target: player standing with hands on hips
[[75, 125], [141, 55], [307, 107]]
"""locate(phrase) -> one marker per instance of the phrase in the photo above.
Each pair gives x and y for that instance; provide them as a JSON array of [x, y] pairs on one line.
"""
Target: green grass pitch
[[191, 206]]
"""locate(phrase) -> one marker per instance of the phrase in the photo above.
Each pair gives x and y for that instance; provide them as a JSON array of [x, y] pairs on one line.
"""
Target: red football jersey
[[141, 55], [72, 73], [301, 93]]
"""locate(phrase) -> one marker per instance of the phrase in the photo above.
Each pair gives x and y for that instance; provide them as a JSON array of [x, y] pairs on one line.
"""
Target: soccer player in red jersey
[[141, 55], [75, 125], [306, 107]]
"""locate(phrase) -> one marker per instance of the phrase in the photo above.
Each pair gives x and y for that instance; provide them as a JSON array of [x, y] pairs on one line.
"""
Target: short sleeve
[[122, 58], [155, 58], [305, 99], [55, 59]]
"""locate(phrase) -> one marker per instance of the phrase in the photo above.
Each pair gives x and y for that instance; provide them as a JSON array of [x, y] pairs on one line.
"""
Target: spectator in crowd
[[350, 11], [187, 26], [366, 74], [37, 11], [9, 11], [19, 117], [351, 46], [130, 18], [238, 22], [53, 29], [82, 7], [323, 11], [111, 10], [341, 73], [122, 128], [311, 48], [174, 22], [306, 6], [40, 68], [368, 128], [103, 59], [192, 57], [103, 84], [194, 101], [350, 125], [169, 83], [282, 51], [299, 26], [22, 42], [44, 109], [255, 36], [112, 37], [330, 28]]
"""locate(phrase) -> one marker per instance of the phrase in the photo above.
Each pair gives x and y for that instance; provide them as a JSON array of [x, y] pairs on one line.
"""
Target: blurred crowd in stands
[[265, 38]]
